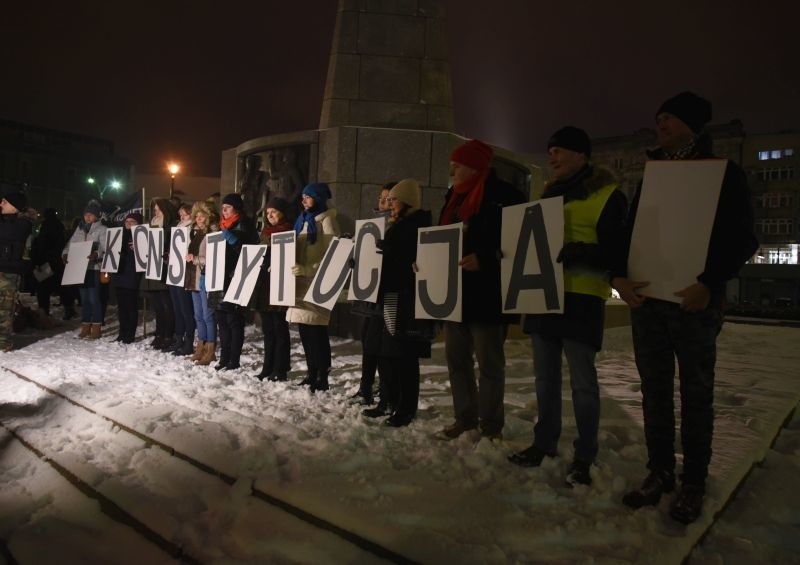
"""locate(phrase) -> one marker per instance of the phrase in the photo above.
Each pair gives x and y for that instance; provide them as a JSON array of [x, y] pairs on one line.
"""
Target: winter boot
[[94, 332], [279, 378], [209, 354], [656, 484], [199, 349], [186, 348], [86, 329], [311, 377], [688, 504], [321, 383], [174, 345]]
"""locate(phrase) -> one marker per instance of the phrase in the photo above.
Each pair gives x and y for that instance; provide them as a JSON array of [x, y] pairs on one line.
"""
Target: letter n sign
[[532, 236]]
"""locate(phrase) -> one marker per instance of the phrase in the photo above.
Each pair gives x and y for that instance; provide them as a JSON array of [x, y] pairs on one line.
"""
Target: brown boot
[[199, 349], [209, 355], [86, 329], [95, 331]]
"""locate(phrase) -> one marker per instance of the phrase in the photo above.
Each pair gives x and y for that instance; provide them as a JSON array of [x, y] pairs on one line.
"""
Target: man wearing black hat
[[594, 219], [14, 232], [664, 330]]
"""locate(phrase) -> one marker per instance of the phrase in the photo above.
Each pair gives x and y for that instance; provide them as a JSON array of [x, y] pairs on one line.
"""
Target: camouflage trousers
[[9, 284], [663, 332]]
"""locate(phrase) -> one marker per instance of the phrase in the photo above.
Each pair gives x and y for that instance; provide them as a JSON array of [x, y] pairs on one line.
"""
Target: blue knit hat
[[319, 191]]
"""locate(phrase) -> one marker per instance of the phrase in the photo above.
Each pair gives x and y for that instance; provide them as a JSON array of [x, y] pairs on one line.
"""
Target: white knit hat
[[408, 192]]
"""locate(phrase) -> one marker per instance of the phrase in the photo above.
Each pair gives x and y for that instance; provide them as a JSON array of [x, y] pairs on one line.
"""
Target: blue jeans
[[91, 307], [585, 394], [204, 317]]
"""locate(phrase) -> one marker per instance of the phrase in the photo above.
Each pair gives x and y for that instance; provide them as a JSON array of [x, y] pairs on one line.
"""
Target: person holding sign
[[182, 299], [274, 327], [594, 223], [403, 340], [126, 282], [90, 229], [315, 227], [164, 216], [14, 232], [688, 327], [205, 220], [237, 230], [476, 198]]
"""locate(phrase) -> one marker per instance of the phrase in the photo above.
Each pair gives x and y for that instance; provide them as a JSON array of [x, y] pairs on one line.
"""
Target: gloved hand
[[298, 270], [379, 246], [230, 237], [578, 252], [351, 262]]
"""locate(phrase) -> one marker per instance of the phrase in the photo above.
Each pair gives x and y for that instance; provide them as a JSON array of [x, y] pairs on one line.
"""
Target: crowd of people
[[200, 325]]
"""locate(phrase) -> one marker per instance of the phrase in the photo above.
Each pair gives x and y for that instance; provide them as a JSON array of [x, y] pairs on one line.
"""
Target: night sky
[[186, 79]]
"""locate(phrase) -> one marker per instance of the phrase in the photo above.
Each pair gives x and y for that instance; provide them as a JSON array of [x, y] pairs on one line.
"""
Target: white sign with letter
[[438, 277], [281, 279], [331, 276], [366, 276]]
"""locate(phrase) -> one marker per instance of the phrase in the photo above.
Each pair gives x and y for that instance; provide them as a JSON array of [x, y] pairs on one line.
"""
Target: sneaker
[[455, 429], [578, 474], [687, 504], [656, 484], [531, 457]]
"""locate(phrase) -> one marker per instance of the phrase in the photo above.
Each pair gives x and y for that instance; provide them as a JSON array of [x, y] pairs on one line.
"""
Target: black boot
[[186, 347], [382, 409], [174, 345], [688, 504], [322, 381], [279, 378], [311, 378], [656, 484]]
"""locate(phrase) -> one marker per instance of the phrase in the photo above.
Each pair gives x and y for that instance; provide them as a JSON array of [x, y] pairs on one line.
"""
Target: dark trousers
[[46, 288], [162, 307], [230, 329], [662, 332], [316, 346], [370, 343], [276, 342], [183, 308], [127, 312], [400, 384]]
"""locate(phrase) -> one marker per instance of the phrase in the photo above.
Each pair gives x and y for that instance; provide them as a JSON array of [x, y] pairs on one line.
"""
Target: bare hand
[[189, 258], [414, 267], [92, 256], [695, 297], [470, 263], [627, 290]]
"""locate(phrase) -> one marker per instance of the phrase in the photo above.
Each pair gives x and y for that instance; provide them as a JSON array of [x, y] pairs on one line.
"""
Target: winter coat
[[14, 232], [309, 257], [481, 294], [412, 337], [732, 241], [48, 243], [126, 276], [246, 234], [584, 312], [97, 235]]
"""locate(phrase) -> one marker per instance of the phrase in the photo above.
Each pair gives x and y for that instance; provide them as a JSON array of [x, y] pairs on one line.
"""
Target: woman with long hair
[[205, 220]]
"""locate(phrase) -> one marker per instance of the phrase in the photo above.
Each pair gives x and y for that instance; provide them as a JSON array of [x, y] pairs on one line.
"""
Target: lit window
[[775, 154], [788, 152], [763, 155]]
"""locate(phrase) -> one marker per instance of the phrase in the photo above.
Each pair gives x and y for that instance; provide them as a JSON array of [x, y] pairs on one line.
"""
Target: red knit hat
[[474, 154]]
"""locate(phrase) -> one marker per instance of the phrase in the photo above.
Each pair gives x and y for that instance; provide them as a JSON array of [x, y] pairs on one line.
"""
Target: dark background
[[184, 80]]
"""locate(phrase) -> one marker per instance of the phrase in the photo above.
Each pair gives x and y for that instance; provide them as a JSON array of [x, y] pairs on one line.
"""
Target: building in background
[[54, 167]]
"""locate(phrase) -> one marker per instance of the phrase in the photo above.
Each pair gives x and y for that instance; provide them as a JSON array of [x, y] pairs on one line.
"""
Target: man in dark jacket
[[14, 232], [664, 330], [477, 198], [594, 223]]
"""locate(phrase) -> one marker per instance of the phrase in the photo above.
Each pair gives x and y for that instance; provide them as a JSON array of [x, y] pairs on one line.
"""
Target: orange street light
[[174, 169]]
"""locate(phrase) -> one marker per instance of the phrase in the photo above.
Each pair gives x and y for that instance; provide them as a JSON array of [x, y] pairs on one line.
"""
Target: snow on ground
[[425, 499]]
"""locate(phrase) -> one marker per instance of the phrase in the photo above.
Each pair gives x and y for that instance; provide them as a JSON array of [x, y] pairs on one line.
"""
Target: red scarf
[[466, 199], [277, 228], [229, 223]]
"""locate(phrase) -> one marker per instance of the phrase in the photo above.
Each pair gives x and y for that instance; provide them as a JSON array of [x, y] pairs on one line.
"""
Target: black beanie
[[279, 204], [18, 200], [234, 200], [93, 207], [572, 138], [689, 108]]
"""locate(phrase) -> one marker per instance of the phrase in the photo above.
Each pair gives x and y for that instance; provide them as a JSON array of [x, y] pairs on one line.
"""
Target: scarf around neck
[[277, 228], [307, 216], [466, 199], [229, 223]]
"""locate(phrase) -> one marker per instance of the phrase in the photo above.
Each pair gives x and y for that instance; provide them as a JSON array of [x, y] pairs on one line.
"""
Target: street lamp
[[173, 169]]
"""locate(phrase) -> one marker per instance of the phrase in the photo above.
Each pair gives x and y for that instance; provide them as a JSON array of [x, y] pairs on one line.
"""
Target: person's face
[[201, 220], [274, 217], [157, 211], [7, 207], [89, 218], [184, 215], [130, 222], [396, 206], [673, 133], [228, 211], [308, 202], [383, 200], [461, 173], [564, 163]]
